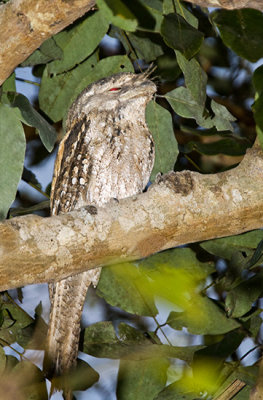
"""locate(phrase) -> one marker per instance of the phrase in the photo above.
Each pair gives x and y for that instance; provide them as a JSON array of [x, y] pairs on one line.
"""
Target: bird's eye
[[115, 89]]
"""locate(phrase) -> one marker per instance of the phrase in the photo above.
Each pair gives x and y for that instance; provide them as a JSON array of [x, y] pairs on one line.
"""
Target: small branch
[[181, 208], [231, 391]]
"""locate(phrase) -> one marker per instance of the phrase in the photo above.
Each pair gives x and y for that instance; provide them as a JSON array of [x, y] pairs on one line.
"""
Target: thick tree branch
[[182, 208], [26, 24], [230, 4]]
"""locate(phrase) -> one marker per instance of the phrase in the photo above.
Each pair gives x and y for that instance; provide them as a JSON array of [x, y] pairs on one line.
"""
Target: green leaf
[[183, 259], [58, 92], [219, 350], [31, 117], [222, 117], [241, 30], [16, 326], [116, 12], [79, 42], [12, 153], [2, 360], [226, 247], [180, 35], [239, 300], [230, 146], [9, 85], [141, 380], [252, 322], [81, 377], [123, 293], [29, 177], [159, 121], [148, 14], [258, 79], [195, 78], [100, 340], [258, 104], [148, 47], [168, 8], [185, 105], [48, 51], [30, 381], [178, 392], [209, 320], [260, 135]]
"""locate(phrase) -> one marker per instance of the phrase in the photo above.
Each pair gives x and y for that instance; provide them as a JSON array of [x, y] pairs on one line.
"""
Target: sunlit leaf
[[123, 293], [183, 259], [12, 153], [116, 12]]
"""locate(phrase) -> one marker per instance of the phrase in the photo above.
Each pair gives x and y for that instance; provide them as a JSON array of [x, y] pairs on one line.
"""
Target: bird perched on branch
[[107, 152]]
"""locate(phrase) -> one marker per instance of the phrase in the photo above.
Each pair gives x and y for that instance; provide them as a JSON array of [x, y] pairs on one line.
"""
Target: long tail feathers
[[62, 345]]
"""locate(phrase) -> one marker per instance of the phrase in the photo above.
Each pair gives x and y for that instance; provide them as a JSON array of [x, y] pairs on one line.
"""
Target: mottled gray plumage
[[107, 152]]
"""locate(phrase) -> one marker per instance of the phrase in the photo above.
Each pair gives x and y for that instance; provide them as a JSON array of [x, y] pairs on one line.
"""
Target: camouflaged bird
[[107, 152]]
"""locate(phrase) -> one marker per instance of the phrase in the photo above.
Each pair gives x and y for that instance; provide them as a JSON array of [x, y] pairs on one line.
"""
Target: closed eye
[[115, 89]]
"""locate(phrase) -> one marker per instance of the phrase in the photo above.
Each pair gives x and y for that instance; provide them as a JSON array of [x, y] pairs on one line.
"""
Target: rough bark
[[230, 4], [182, 208], [26, 24]]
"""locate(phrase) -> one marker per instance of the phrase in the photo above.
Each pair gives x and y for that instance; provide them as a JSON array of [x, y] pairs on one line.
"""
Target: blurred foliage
[[201, 119]]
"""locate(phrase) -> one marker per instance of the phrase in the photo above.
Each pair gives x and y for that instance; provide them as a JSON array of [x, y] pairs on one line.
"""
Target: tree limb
[[230, 4], [26, 24], [181, 208]]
